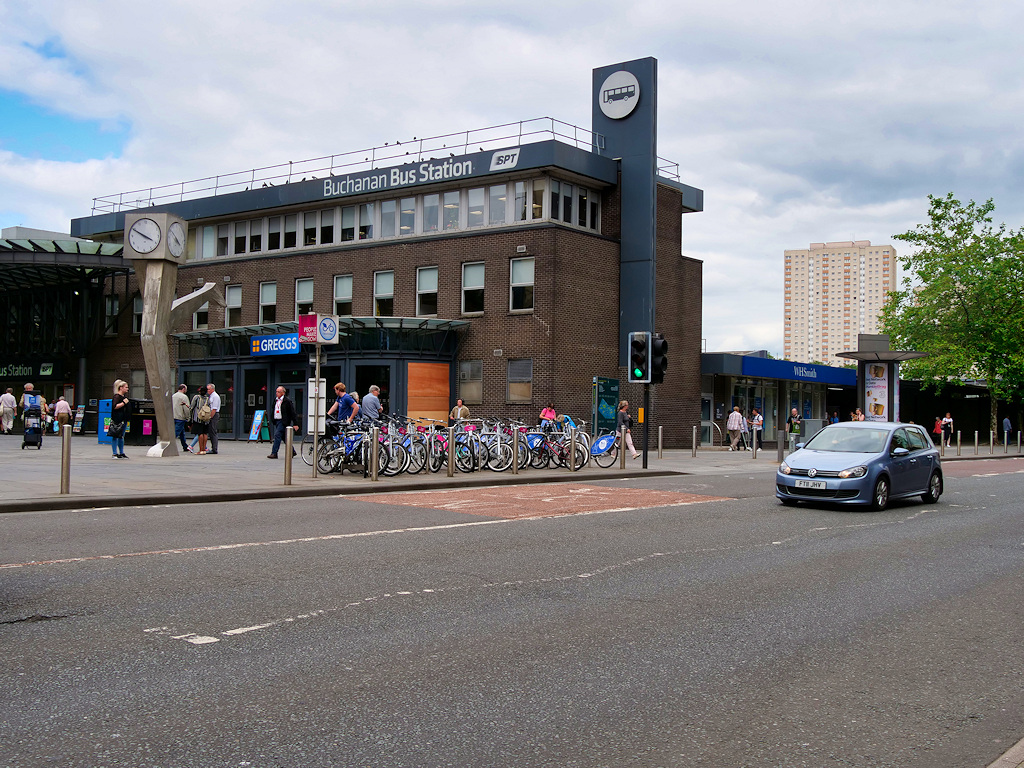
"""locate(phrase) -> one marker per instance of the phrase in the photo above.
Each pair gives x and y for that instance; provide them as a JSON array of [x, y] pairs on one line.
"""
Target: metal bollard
[[65, 459], [1006, 442], [622, 447], [781, 444], [572, 449], [515, 450], [288, 455], [451, 451], [975, 442], [661, 441], [693, 452], [991, 441], [374, 452], [958, 442]]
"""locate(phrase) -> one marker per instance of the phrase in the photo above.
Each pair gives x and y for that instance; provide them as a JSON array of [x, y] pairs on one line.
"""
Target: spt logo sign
[[505, 159]]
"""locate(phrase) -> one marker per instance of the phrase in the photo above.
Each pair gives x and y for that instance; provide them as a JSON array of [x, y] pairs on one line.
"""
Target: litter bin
[[142, 424]]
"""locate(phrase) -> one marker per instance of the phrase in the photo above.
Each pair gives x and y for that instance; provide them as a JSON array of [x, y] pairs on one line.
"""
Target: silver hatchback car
[[862, 463]]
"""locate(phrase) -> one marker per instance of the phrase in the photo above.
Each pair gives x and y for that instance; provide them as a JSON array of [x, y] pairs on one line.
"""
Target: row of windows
[[521, 281], [437, 212], [518, 381]]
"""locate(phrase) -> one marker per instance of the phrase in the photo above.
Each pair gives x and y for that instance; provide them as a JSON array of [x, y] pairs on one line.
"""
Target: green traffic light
[[637, 373]]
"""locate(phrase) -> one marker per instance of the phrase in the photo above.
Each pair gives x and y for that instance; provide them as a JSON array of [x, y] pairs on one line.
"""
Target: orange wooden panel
[[428, 394]]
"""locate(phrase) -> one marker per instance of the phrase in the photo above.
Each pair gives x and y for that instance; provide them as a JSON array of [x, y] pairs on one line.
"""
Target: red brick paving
[[521, 501]]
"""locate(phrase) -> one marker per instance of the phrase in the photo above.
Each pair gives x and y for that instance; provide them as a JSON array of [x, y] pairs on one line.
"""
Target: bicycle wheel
[[306, 450], [609, 457], [398, 460], [581, 457], [328, 459], [500, 458], [438, 453], [540, 456], [417, 456]]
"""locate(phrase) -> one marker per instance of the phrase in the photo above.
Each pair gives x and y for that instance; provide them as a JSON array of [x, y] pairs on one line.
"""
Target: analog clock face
[[144, 236], [176, 239]]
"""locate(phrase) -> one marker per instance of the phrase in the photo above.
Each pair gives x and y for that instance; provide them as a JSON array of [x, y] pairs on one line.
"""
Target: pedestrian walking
[[623, 419], [757, 427], [62, 412], [211, 426], [283, 417], [947, 429], [793, 427], [1007, 428], [937, 430], [120, 411], [344, 404], [200, 417], [734, 425], [8, 408], [460, 411], [370, 408], [181, 412]]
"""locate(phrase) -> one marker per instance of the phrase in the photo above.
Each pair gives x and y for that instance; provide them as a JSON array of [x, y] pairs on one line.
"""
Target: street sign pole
[[316, 413]]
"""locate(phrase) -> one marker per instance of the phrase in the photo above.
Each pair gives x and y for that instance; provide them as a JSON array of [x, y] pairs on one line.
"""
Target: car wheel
[[880, 496], [934, 489]]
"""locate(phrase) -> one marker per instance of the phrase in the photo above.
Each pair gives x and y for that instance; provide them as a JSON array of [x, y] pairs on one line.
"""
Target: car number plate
[[819, 484]]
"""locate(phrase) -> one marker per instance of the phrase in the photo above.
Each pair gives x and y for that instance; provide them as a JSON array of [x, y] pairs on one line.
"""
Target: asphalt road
[[651, 627]]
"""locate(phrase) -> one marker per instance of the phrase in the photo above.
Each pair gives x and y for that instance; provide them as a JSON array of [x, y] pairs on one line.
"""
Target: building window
[[113, 308], [407, 216], [472, 288], [201, 318], [241, 235], [207, 244], [223, 237], [268, 302], [256, 235], [233, 306], [137, 305], [537, 203], [431, 212], [388, 210], [291, 230], [451, 209], [520, 381], [384, 294], [348, 223], [327, 226], [475, 217], [343, 294], [303, 297], [567, 191], [274, 233], [309, 228], [521, 291], [471, 381], [366, 221], [520, 212], [556, 199], [581, 207], [426, 291], [137, 386], [496, 197]]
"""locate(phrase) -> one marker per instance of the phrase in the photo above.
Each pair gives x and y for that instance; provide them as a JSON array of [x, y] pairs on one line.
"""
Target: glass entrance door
[[254, 396], [374, 373]]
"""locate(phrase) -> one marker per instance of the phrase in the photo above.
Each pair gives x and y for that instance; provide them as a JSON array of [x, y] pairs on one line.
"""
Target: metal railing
[[387, 155]]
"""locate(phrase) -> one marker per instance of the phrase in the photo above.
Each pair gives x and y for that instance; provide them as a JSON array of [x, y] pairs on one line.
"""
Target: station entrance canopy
[[427, 337], [51, 295]]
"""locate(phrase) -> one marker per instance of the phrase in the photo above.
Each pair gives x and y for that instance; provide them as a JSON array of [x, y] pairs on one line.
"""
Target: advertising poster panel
[[876, 392]]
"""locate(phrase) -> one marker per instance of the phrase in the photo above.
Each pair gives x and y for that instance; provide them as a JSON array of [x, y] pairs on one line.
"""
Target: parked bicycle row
[[427, 445]]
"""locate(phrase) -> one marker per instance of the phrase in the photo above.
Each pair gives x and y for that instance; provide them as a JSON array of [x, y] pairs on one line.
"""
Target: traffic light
[[639, 357], [659, 358]]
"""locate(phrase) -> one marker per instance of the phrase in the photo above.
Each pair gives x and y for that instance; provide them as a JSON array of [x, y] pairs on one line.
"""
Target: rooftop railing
[[384, 156]]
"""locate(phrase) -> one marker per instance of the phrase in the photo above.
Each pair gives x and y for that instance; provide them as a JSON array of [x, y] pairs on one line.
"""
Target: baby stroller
[[33, 427]]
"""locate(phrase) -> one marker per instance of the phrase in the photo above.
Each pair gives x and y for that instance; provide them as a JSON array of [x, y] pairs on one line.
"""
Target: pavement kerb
[[65, 502]]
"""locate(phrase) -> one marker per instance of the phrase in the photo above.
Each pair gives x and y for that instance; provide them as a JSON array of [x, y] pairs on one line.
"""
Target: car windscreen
[[849, 440]]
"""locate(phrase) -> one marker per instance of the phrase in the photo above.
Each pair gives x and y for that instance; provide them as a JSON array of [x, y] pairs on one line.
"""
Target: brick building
[[498, 266]]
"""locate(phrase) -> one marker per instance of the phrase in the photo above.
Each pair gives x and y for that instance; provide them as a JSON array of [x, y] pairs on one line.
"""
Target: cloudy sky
[[801, 121]]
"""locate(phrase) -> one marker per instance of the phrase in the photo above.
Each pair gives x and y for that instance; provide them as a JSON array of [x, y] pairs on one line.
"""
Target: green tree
[[962, 300]]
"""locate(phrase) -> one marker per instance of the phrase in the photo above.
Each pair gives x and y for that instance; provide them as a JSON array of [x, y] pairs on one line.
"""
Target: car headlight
[[854, 472], [784, 468]]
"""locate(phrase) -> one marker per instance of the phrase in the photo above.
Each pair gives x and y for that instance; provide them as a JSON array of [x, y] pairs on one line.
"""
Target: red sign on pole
[[307, 329]]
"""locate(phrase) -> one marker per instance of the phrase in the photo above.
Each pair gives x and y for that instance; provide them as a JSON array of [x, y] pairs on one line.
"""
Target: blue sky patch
[[39, 133]]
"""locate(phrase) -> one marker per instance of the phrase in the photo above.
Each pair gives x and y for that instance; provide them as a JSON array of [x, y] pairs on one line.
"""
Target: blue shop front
[[772, 386]]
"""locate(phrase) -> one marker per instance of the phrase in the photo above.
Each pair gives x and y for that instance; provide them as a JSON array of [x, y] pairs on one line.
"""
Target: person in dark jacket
[[283, 415], [120, 411]]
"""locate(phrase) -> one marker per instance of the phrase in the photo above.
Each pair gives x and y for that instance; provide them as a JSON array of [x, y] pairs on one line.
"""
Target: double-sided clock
[[155, 236]]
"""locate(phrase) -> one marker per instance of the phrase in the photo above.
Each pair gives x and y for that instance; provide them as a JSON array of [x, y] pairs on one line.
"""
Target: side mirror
[[798, 446], [898, 452]]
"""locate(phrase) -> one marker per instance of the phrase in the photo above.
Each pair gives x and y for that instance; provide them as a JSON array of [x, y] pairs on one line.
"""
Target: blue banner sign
[[278, 344]]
